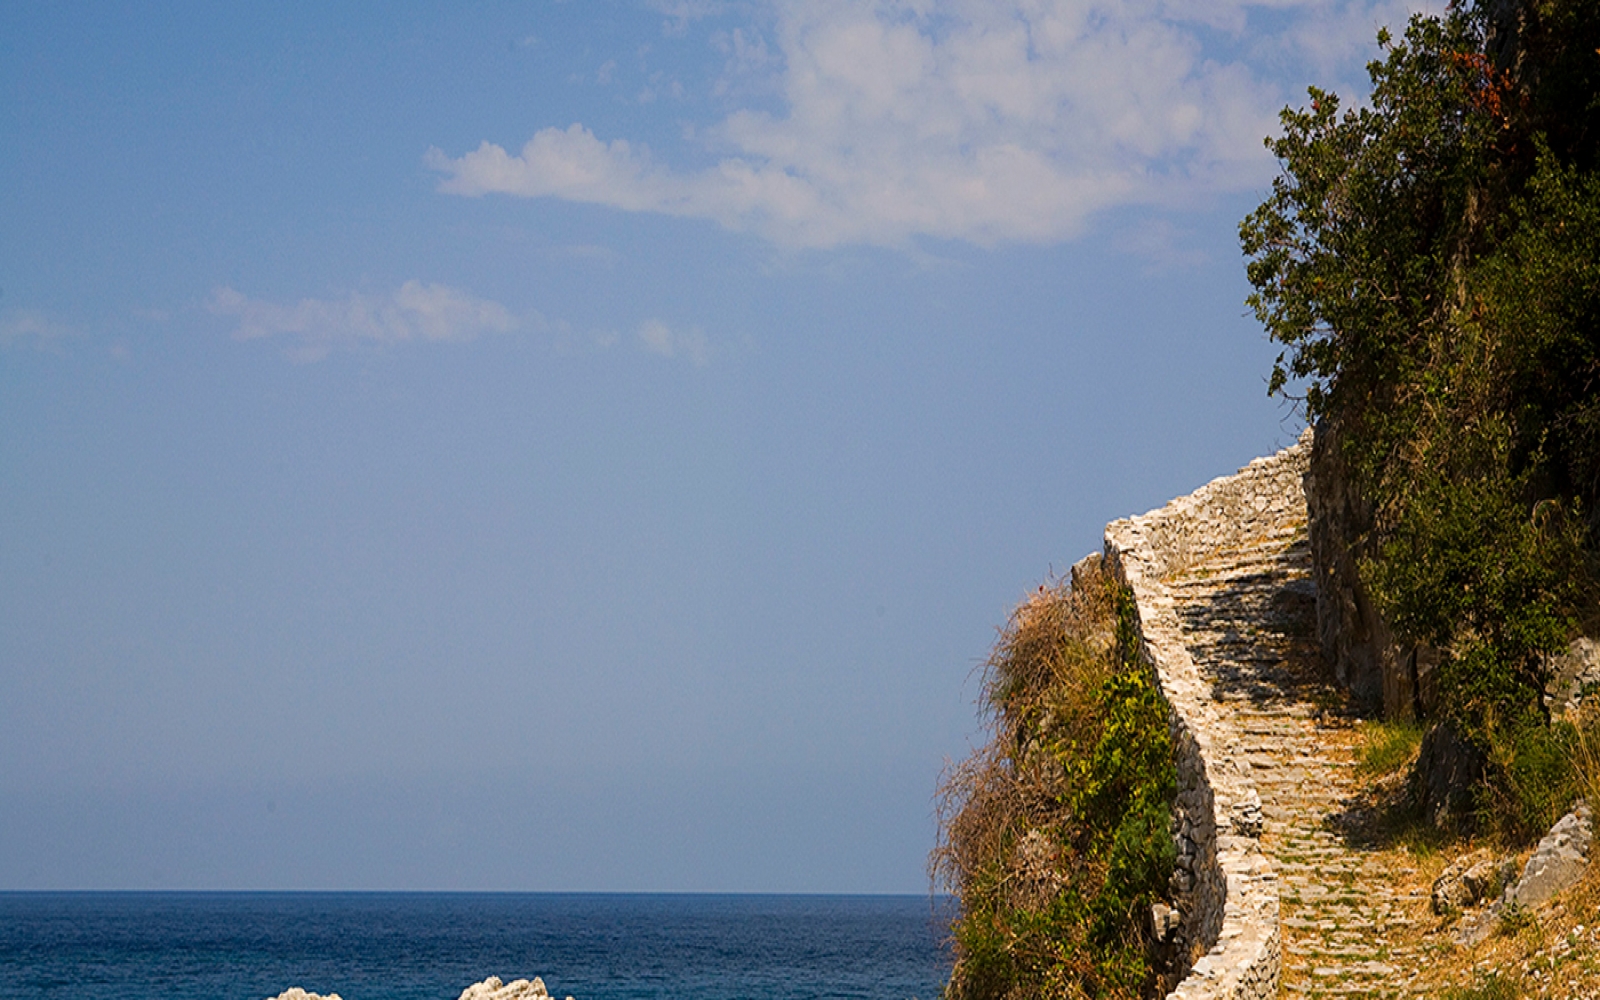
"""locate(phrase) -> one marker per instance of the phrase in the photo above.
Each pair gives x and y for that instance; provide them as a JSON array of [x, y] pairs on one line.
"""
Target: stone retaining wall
[[1225, 886]]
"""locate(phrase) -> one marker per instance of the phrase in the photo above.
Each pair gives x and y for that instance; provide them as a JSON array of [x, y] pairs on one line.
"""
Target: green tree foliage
[[1431, 266]]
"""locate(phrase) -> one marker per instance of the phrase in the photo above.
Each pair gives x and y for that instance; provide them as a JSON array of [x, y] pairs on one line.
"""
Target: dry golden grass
[[1039, 683], [1552, 952]]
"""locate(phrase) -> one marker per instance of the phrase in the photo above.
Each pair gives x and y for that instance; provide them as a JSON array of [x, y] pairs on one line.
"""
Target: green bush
[[1535, 774], [1057, 836]]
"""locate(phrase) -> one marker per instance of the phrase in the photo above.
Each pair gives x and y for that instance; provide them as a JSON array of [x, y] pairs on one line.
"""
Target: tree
[[1431, 266]]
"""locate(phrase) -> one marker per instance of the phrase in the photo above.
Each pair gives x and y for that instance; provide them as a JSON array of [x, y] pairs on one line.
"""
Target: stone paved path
[[1248, 618]]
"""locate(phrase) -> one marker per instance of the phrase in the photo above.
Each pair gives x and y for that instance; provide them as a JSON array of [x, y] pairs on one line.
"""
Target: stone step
[[1246, 614]]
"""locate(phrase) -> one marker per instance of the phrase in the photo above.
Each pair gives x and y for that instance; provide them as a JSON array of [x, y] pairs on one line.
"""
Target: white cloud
[[658, 338], [988, 121], [414, 312], [747, 54], [32, 328]]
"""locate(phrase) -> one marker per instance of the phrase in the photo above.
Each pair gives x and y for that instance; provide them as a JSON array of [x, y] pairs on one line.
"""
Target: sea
[[431, 946]]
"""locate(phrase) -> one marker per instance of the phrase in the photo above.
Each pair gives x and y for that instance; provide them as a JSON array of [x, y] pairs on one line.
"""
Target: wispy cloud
[[659, 338], [1162, 246], [987, 121], [31, 328], [680, 13], [414, 312]]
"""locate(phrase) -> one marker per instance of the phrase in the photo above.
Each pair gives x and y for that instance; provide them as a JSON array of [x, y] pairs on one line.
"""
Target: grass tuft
[[1388, 747]]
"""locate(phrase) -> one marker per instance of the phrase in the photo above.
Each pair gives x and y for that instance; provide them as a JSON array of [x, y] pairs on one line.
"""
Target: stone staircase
[[1246, 607]]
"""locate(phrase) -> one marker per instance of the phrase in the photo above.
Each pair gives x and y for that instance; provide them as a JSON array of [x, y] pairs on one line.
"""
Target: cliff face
[[1380, 673]]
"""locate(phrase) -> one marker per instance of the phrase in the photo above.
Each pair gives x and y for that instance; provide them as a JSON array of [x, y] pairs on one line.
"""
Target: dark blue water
[[405, 946]]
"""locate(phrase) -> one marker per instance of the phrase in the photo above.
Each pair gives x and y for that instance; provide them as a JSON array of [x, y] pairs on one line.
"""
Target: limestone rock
[[1471, 880], [1572, 674], [1164, 920], [296, 993], [519, 989], [1558, 861]]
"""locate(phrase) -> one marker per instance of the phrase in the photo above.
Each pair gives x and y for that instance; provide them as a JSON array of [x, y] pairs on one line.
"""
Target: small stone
[[1451, 890], [1164, 920]]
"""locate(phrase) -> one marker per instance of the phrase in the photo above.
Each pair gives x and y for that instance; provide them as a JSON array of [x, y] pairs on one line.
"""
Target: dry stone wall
[[1225, 886]]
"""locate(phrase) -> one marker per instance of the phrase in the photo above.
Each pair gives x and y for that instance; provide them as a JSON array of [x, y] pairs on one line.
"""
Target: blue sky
[[588, 445]]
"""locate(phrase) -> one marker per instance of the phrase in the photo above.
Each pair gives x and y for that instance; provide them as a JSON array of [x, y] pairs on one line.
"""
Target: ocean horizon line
[[476, 892]]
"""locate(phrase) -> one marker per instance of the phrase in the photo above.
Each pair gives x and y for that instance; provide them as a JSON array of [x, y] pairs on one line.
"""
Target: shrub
[[1056, 836]]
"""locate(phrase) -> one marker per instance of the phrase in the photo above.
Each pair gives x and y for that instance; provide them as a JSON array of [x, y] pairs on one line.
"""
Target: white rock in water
[[299, 994], [493, 989]]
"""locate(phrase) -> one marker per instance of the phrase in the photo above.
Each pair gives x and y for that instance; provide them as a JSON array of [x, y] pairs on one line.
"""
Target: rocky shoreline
[[489, 989]]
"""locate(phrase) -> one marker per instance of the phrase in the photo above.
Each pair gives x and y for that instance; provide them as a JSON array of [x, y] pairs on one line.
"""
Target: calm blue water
[[400, 946]]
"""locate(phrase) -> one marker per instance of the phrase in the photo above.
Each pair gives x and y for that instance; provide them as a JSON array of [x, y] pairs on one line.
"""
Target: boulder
[[1557, 862], [296, 993], [1448, 767]]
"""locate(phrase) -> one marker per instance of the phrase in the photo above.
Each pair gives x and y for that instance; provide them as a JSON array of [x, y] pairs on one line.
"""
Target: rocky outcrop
[[490, 989], [518, 989], [1556, 864], [1574, 675], [1379, 671]]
